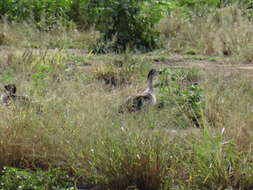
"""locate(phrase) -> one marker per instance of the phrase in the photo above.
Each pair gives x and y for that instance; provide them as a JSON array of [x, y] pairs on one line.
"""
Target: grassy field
[[199, 136]]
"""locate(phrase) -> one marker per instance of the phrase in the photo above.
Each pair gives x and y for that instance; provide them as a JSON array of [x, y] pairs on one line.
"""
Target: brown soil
[[222, 65]]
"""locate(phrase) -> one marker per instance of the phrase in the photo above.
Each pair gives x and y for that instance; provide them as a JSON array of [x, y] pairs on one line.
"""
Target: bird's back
[[138, 102], [8, 100]]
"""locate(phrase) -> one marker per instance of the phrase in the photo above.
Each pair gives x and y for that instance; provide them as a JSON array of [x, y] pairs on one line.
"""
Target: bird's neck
[[150, 84]]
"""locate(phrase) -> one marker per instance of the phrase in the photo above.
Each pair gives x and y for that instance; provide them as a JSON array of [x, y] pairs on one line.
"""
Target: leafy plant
[[179, 88], [39, 78], [13, 178], [123, 22], [45, 13]]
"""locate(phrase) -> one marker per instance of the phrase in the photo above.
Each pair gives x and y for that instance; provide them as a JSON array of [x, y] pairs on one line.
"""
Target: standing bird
[[143, 100], [9, 96]]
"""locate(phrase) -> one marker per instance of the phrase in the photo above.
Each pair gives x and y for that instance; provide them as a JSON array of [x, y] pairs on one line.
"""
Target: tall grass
[[27, 35], [226, 31], [80, 130]]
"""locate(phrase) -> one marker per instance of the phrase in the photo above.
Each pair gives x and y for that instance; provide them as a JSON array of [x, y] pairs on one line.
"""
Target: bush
[[44, 13], [123, 23], [129, 22]]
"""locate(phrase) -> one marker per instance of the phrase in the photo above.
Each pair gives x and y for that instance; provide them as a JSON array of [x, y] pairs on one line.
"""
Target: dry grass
[[26, 35], [226, 31], [80, 129], [230, 107]]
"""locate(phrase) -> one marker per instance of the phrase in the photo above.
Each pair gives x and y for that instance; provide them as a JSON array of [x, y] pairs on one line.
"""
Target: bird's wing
[[135, 103]]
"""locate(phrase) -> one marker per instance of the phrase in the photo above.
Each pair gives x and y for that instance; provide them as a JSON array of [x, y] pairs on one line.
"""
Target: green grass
[[80, 131], [198, 136]]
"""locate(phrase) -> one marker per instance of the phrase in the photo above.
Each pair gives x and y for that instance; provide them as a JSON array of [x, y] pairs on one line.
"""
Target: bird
[[144, 99], [9, 96]]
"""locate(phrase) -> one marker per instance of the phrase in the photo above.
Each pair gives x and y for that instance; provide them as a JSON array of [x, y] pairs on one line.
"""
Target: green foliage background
[[128, 23], [89, 12]]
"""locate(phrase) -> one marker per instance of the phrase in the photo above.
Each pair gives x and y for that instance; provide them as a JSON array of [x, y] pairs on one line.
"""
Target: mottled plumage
[[143, 100], [9, 96]]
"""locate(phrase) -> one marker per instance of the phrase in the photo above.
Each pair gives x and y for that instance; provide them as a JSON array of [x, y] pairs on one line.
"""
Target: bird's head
[[10, 88], [152, 73]]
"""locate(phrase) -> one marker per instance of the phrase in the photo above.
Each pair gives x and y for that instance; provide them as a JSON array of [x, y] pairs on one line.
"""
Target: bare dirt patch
[[212, 65]]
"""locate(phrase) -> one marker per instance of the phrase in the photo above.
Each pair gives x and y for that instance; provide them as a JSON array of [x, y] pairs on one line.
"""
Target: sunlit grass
[[80, 130], [217, 33]]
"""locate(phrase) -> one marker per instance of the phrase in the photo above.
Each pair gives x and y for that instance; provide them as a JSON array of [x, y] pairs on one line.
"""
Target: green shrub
[[45, 14], [124, 23], [12, 178], [180, 88]]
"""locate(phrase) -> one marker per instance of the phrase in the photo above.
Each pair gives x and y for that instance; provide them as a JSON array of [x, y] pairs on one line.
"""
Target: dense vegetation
[[72, 136], [128, 23]]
